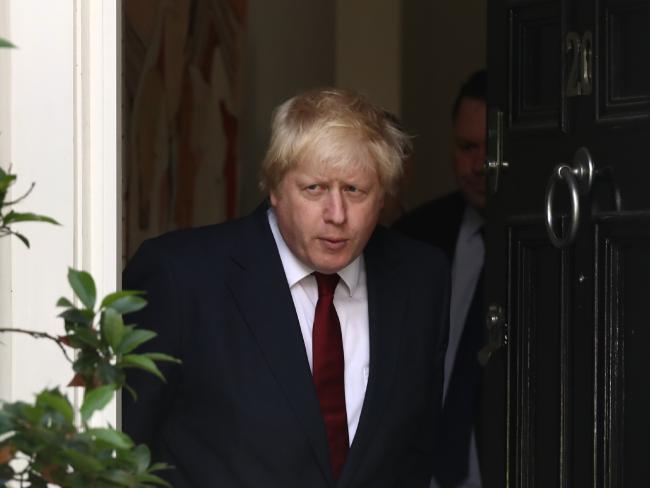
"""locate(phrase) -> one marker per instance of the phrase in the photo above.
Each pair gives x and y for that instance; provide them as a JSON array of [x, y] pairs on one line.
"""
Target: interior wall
[[369, 50], [443, 43], [289, 49], [406, 55]]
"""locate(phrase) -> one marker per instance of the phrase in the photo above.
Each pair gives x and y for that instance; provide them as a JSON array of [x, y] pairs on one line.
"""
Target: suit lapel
[[450, 209], [257, 281], [386, 308]]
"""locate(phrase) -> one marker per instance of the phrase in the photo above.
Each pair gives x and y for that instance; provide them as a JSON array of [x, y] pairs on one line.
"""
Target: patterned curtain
[[182, 68]]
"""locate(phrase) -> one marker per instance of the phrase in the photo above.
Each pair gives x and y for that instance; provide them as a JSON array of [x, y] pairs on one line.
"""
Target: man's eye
[[351, 189], [315, 188]]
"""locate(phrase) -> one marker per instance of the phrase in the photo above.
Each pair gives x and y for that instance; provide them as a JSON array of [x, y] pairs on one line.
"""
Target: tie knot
[[326, 283]]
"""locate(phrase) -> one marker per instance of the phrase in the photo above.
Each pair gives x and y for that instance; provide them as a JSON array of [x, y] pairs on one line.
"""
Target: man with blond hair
[[312, 340]]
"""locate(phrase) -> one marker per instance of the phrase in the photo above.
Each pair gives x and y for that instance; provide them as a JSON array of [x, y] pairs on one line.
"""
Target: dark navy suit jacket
[[242, 411], [436, 222]]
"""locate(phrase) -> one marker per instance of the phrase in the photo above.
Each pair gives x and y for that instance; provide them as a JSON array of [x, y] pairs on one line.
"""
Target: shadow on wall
[[442, 44]]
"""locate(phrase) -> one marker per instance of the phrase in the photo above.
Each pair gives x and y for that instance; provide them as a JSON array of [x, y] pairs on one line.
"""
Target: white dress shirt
[[465, 271], [351, 303]]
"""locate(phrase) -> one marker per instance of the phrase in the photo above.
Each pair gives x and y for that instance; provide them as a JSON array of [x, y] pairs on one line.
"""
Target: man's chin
[[330, 266], [476, 200]]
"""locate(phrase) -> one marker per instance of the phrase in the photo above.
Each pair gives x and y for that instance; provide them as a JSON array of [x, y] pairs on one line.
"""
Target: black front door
[[567, 396]]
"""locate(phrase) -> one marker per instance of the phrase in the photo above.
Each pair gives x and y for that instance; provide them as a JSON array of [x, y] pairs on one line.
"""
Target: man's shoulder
[[201, 243], [435, 222], [443, 207], [394, 246]]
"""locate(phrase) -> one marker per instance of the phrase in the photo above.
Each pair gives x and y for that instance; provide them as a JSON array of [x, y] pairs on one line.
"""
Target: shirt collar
[[296, 270]]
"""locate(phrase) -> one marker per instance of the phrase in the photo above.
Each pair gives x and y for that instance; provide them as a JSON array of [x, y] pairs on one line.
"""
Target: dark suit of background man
[[290, 378], [454, 223]]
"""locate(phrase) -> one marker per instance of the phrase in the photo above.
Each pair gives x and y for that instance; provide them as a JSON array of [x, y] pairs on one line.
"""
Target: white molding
[[65, 136], [6, 340], [100, 227]]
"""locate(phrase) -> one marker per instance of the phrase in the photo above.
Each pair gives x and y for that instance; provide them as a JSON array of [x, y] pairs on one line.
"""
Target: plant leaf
[[84, 287], [118, 477], [141, 362], [13, 217], [112, 328], [22, 238], [83, 461], [133, 339], [112, 437], [131, 391], [142, 458], [6, 43], [64, 302], [158, 467], [159, 356], [6, 180], [108, 373], [95, 400], [78, 316], [152, 479], [125, 301], [55, 400], [83, 337]]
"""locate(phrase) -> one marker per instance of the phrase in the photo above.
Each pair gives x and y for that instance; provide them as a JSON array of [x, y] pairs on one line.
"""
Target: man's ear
[[273, 198]]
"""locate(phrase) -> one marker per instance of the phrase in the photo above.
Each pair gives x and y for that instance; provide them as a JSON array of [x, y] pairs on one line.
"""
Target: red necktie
[[328, 367]]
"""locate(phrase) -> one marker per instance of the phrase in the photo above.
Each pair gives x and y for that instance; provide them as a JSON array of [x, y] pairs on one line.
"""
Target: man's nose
[[335, 211]]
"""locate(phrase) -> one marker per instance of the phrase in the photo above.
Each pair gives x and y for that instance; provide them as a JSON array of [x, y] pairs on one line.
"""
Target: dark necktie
[[460, 409], [328, 368]]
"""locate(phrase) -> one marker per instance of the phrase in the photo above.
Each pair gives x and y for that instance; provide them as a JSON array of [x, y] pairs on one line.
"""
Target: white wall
[[58, 128]]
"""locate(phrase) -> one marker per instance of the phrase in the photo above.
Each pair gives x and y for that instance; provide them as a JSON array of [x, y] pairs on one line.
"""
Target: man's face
[[326, 215], [469, 150]]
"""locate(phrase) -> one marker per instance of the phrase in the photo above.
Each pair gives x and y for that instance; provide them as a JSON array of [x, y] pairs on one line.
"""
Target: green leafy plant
[[12, 217], [44, 436], [46, 443]]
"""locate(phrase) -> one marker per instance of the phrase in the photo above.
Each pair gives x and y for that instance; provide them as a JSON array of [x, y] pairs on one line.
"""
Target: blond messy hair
[[333, 127]]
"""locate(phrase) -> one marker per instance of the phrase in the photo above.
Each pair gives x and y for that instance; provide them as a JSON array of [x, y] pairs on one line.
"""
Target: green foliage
[[44, 435], [12, 217], [41, 444], [52, 450], [103, 343], [5, 43]]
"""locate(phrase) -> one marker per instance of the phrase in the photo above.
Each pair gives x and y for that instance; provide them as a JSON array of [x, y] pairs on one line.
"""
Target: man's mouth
[[333, 244]]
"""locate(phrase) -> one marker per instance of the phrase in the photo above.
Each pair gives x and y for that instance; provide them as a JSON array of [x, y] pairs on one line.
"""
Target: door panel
[[623, 242], [572, 374], [535, 66], [624, 74], [539, 434]]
